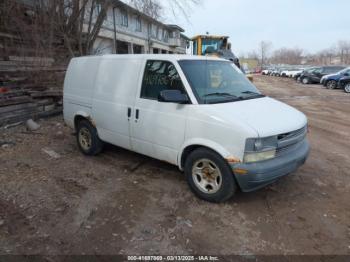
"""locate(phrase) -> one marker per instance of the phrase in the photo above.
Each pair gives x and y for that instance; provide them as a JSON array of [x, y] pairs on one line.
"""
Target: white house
[[135, 33]]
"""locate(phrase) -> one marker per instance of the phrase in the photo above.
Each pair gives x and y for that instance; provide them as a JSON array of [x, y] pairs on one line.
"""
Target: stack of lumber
[[29, 92], [31, 79]]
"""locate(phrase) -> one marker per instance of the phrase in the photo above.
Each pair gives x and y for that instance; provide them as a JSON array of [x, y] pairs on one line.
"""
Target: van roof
[[157, 56]]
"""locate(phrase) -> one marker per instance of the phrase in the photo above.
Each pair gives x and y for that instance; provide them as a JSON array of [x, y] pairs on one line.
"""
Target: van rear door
[[158, 129]]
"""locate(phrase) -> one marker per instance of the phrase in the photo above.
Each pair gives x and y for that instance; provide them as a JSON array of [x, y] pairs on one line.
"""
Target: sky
[[312, 25]]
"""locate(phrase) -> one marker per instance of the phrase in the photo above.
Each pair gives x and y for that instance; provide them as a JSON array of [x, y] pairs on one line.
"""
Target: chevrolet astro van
[[199, 113]]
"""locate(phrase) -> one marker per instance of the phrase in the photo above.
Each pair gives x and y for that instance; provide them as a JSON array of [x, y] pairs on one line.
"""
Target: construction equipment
[[214, 46], [219, 46]]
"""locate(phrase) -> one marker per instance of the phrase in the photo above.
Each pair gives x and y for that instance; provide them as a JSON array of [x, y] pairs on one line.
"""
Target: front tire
[[88, 141], [347, 88], [305, 81], [209, 176], [331, 84]]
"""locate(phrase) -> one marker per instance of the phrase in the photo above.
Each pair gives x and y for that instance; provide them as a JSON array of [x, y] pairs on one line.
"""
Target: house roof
[[176, 27]]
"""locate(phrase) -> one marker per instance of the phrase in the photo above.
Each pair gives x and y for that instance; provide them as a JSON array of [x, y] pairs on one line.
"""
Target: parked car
[[293, 72], [296, 76], [314, 75], [331, 81], [265, 72], [285, 72], [199, 113], [277, 72], [344, 83], [274, 72]]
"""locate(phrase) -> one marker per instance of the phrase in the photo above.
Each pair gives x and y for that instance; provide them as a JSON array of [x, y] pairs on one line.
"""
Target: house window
[[166, 36], [149, 29], [138, 24], [98, 8], [159, 33], [154, 31], [124, 16]]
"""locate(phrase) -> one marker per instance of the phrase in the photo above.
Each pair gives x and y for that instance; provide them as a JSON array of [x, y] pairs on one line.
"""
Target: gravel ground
[[124, 203]]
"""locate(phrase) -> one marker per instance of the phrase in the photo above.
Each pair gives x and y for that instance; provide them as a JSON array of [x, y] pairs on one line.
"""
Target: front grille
[[292, 134], [291, 140]]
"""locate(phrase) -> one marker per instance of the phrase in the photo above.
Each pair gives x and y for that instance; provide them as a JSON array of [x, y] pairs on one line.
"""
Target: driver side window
[[317, 71], [160, 76]]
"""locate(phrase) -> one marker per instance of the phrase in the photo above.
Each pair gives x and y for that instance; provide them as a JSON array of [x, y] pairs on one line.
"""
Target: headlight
[[259, 156], [260, 149]]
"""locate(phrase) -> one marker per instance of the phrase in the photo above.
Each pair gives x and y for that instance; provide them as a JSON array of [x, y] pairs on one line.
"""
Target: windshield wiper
[[228, 98], [251, 94], [220, 94]]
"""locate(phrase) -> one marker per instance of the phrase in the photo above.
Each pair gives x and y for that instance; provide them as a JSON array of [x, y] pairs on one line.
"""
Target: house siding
[[152, 36]]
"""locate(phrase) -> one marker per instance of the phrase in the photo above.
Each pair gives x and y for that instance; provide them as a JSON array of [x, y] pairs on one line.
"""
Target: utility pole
[[115, 32]]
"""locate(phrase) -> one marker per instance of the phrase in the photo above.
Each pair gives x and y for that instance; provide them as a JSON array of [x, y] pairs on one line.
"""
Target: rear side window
[[318, 70], [160, 76], [329, 70]]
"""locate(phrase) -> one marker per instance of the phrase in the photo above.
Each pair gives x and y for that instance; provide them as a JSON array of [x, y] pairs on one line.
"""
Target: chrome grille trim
[[290, 141], [291, 138]]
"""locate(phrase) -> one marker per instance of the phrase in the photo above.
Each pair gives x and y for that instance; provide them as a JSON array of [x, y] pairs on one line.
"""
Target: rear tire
[[331, 84], [347, 88], [87, 138], [210, 176]]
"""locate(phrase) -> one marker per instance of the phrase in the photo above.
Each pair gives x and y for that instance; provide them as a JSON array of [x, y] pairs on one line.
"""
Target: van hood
[[267, 116]]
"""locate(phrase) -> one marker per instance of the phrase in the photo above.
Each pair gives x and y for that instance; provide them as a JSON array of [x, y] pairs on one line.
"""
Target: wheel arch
[[194, 144], [81, 115]]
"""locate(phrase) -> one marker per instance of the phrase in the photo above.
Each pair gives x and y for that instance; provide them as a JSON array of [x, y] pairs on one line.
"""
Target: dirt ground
[[124, 203]]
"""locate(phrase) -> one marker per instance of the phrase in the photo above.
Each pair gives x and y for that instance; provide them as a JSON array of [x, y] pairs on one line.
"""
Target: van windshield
[[215, 82]]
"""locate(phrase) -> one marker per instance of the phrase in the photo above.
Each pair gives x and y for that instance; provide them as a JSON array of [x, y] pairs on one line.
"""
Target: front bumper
[[263, 173]]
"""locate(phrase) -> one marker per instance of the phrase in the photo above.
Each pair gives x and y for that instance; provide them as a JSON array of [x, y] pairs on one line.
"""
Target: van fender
[[204, 143], [85, 115]]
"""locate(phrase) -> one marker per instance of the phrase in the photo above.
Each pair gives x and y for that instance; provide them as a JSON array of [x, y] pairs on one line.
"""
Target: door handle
[[137, 114], [129, 112]]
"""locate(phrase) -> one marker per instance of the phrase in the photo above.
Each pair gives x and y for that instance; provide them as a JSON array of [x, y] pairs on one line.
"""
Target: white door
[[114, 98], [158, 128]]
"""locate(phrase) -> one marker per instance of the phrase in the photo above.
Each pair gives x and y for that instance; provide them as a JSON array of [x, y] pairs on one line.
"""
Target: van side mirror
[[173, 96]]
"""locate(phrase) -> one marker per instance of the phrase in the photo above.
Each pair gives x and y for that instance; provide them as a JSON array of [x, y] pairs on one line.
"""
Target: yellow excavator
[[219, 46]]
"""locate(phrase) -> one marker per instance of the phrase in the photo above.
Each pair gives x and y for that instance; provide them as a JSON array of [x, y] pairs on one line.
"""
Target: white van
[[199, 113]]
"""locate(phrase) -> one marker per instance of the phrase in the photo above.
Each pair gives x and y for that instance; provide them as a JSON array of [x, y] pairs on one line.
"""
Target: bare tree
[[79, 22], [329, 54], [151, 8], [344, 51], [292, 56], [74, 23], [264, 49], [156, 8], [253, 55]]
